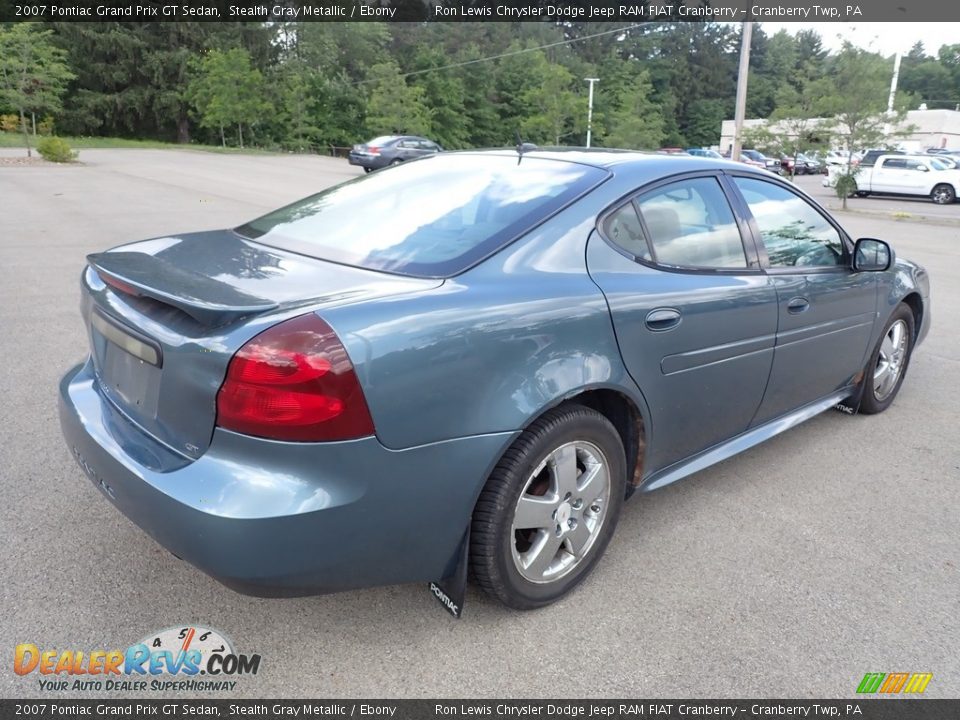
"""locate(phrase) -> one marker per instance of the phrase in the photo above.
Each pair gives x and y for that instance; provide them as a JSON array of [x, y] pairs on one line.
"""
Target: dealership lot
[[790, 570]]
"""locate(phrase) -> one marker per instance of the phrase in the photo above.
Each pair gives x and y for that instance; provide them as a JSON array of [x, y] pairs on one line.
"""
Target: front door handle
[[797, 305], [663, 319]]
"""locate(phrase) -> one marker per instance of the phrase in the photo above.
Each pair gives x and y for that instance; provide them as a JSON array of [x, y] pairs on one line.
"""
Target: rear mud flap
[[851, 406], [450, 591]]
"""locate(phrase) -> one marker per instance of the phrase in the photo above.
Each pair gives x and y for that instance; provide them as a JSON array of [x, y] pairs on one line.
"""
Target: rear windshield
[[382, 140], [430, 218]]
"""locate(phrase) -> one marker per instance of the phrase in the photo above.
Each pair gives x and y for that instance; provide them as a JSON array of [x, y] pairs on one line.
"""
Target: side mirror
[[870, 255]]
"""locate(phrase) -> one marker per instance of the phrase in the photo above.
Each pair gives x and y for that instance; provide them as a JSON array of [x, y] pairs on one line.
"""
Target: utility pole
[[745, 37], [590, 108], [893, 83]]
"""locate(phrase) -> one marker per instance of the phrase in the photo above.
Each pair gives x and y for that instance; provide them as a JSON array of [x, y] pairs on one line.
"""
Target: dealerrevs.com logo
[[188, 658]]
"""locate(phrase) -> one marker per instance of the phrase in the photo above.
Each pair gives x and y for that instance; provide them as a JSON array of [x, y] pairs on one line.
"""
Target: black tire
[[396, 161], [943, 194], [862, 193], [873, 402], [494, 541], [366, 169]]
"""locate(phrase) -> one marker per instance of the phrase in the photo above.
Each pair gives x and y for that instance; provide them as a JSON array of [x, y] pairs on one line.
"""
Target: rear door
[[408, 149], [825, 311], [891, 176], [694, 315]]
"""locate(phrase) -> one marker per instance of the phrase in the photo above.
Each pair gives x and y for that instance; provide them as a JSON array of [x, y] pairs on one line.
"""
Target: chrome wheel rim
[[560, 512], [893, 352], [941, 195]]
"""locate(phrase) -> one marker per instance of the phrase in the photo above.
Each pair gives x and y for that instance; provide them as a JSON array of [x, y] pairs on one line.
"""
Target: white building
[[931, 129]]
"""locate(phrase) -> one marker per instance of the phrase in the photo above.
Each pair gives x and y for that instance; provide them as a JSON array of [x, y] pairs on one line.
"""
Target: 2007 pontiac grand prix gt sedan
[[470, 359]]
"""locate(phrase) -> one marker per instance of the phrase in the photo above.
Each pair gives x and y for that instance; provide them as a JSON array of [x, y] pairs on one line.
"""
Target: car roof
[[649, 162]]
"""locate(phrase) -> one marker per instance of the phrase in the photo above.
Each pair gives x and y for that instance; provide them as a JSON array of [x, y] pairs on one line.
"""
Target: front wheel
[[549, 508], [888, 363], [943, 195]]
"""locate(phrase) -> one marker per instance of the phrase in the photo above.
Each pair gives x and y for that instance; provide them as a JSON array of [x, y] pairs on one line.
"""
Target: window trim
[[844, 266], [747, 239]]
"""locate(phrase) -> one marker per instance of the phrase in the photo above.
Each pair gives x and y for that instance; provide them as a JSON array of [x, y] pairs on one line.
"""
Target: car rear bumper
[[374, 162], [278, 519]]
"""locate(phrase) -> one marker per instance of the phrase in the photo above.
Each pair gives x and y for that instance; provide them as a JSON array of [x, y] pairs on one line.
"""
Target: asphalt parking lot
[[788, 571]]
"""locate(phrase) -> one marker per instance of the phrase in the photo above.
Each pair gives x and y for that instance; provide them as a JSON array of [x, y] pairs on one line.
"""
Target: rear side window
[[430, 218], [895, 163], [624, 229], [690, 224]]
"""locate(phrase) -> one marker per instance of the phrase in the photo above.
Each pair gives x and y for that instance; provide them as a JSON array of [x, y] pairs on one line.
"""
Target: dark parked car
[[870, 157], [807, 165], [472, 359], [391, 150], [768, 163]]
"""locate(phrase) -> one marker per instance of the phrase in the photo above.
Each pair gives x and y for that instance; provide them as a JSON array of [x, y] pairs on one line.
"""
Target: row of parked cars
[[803, 164], [934, 174]]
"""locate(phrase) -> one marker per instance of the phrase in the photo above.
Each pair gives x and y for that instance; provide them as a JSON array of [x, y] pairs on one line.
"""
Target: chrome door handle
[[797, 305], [662, 319]]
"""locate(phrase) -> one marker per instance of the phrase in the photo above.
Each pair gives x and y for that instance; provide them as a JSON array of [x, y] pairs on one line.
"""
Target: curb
[[903, 217]]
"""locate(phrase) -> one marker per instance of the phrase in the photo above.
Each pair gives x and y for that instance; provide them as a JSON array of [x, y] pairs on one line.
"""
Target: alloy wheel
[[560, 512], [890, 361]]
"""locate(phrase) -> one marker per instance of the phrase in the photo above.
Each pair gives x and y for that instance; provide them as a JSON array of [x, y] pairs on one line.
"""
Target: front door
[[826, 312], [694, 315]]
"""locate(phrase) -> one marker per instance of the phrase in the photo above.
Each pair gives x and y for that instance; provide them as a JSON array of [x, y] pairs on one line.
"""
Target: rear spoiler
[[206, 300]]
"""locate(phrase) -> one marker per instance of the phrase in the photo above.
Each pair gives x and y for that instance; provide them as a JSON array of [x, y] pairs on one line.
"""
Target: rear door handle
[[663, 319], [797, 305]]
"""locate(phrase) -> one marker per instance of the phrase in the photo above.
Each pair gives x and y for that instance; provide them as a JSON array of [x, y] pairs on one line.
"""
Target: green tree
[[795, 124], [393, 105], [226, 90], [634, 120], [33, 74], [861, 82], [445, 94], [131, 77], [296, 90], [553, 110]]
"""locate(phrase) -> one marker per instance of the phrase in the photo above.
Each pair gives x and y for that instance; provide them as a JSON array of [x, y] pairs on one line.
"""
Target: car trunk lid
[[165, 316]]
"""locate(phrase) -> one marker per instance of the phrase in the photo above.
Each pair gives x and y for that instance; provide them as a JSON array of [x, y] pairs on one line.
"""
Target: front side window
[[690, 224], [793, 232]]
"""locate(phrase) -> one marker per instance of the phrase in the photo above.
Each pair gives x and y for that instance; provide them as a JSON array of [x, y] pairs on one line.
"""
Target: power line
[[512, 53]]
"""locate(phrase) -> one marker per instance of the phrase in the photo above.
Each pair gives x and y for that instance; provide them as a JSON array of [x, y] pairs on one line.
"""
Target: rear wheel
[[943, 194], [396, 161], [888, 363], [549, 508], [366, 169]]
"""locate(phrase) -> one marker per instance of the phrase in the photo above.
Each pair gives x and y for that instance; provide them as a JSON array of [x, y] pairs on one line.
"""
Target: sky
[[885, 38]]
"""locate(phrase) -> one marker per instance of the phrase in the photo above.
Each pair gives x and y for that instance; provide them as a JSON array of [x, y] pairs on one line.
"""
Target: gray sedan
[[391, 150], [470, 362]]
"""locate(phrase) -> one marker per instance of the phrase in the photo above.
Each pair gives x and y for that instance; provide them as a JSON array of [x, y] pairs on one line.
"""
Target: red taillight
[[294, 382], [373, 150]]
